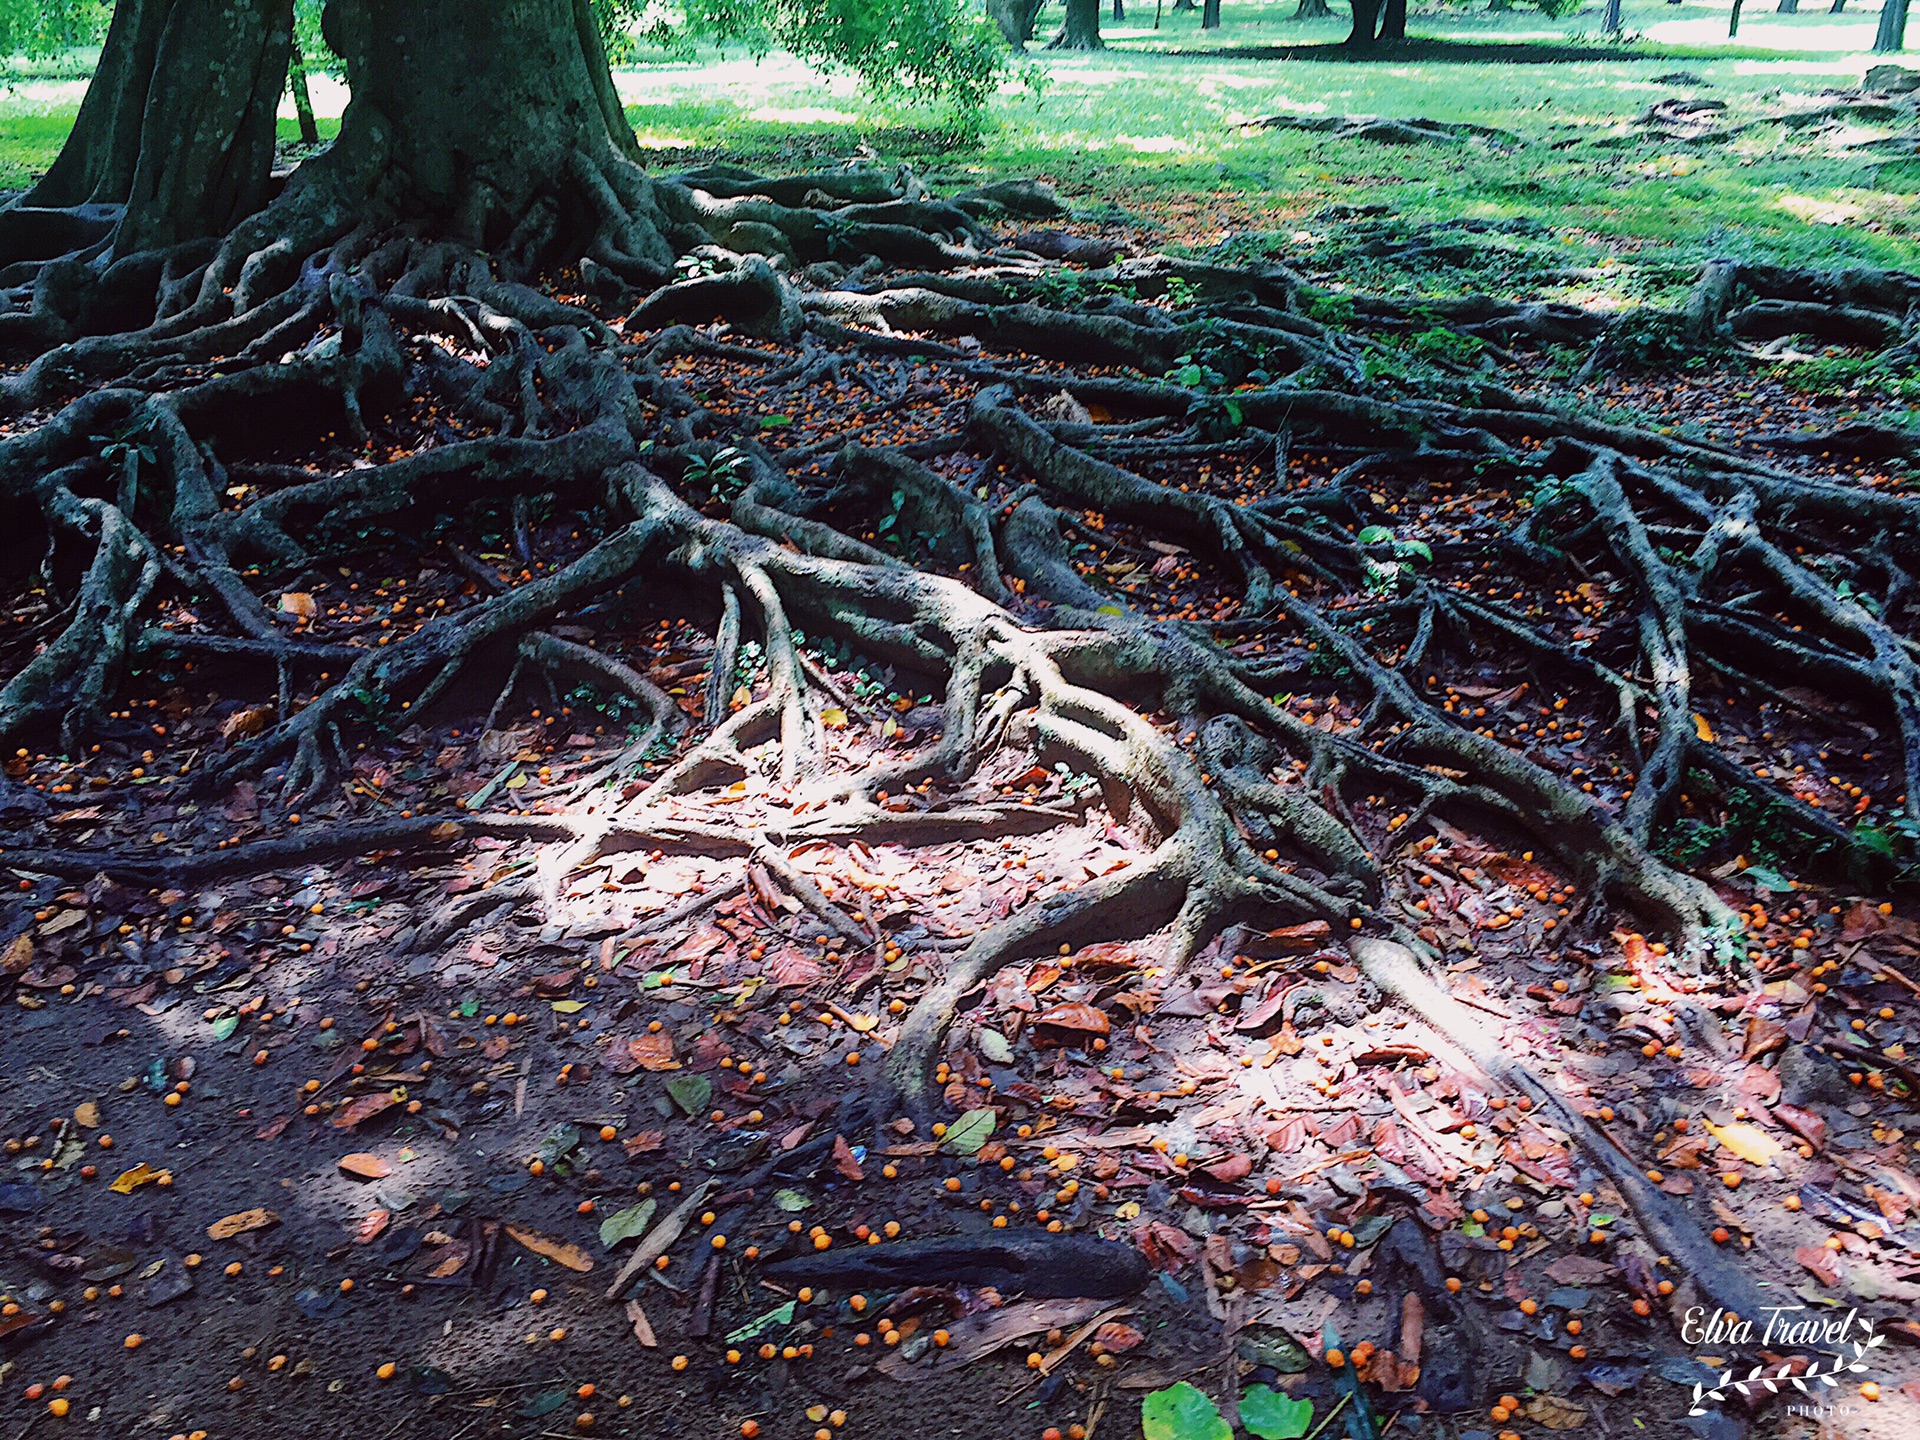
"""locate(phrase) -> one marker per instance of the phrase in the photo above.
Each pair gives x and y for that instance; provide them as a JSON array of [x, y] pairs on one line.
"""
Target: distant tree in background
[[1081, 28], [1892, 34], [46, 27]]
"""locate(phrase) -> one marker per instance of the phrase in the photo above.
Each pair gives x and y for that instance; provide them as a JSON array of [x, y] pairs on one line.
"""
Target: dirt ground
[[358, 1145]]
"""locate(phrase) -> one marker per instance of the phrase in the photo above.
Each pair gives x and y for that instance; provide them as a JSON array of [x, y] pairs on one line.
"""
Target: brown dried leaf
[[653, 1051], [1075, 1015], [843, 1160], [238, 1224], [362, 1107], [1554, 1413], [247, 723], [558, 1251], [365, 1166]]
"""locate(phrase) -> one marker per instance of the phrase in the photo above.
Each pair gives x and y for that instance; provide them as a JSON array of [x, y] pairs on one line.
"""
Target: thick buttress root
[[158, 469]]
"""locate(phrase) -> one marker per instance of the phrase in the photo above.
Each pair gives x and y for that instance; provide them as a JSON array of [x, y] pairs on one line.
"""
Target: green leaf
[[690, 1092], [1274, 1416], [1182, 1412], [1374, 535], [557, 1147], [781, 1315], [629, 1224], [225, 1026], [1109, 610], [791, 1201], [1414, 547], [569, 1007], [972, 1130]]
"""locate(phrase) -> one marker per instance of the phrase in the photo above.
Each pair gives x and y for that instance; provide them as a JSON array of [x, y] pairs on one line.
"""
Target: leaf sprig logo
[[1781, 1331]]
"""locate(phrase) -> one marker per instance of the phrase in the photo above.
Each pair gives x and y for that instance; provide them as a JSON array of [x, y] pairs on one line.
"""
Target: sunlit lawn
[[1156, 133]]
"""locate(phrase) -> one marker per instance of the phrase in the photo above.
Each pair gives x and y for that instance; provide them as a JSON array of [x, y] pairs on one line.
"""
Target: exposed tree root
[[159, 473]]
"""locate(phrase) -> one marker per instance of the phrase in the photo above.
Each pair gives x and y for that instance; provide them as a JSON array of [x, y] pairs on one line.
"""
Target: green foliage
[[39, 28], [938, 50], [315, 53], [1850, 377], [1182, 1412], [1439, 343], [1647, 339], [724, 472], [1271, 1415]]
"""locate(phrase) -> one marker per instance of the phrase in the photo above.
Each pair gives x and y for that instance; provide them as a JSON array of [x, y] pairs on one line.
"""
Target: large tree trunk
[[1366, 24], [1393, 20], [1892, 34], [490, 123], [184, 159], [1016, 17], [1081, 30], [1210, 15]]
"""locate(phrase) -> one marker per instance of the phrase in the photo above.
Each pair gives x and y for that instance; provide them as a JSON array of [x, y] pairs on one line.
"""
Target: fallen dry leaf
[[237, 1224], [365, 1165], [131, 1180], [362, 1107], [558, 1251]]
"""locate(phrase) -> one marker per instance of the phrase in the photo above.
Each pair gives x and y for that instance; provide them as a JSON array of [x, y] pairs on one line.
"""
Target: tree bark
[[1210, 15], [1313, 10], [1081, 29], [1610, 18], [1119, 9], [491, 123], [302, 99], [1393, 20], [1789, 7], [1016, 18], [1891, 37], [187, 158], [1366, 24], [1733, 23]]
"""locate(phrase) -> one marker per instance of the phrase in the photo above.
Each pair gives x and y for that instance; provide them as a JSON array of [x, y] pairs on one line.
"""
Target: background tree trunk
[[1081, 30], [188, 158], [1119, 9], [1733, 23], [302, 99], [1016, 19], [1179, 5], [1313, 10], [1610, 18], [1892, 34], [1393, 20], [1789, 7], [1366, 24], [1210, 15]]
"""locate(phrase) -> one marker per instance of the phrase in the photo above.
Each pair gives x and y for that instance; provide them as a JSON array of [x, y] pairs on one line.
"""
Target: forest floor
[[289, 1141], [362, 1142]]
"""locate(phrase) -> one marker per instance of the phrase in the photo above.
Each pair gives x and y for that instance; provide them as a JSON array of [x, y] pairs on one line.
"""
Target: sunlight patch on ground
[[802, 115], [1818, 211], [1154, 144]]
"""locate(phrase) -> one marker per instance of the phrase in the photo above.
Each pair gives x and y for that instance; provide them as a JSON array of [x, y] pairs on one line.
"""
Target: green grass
[[1626, 215]]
